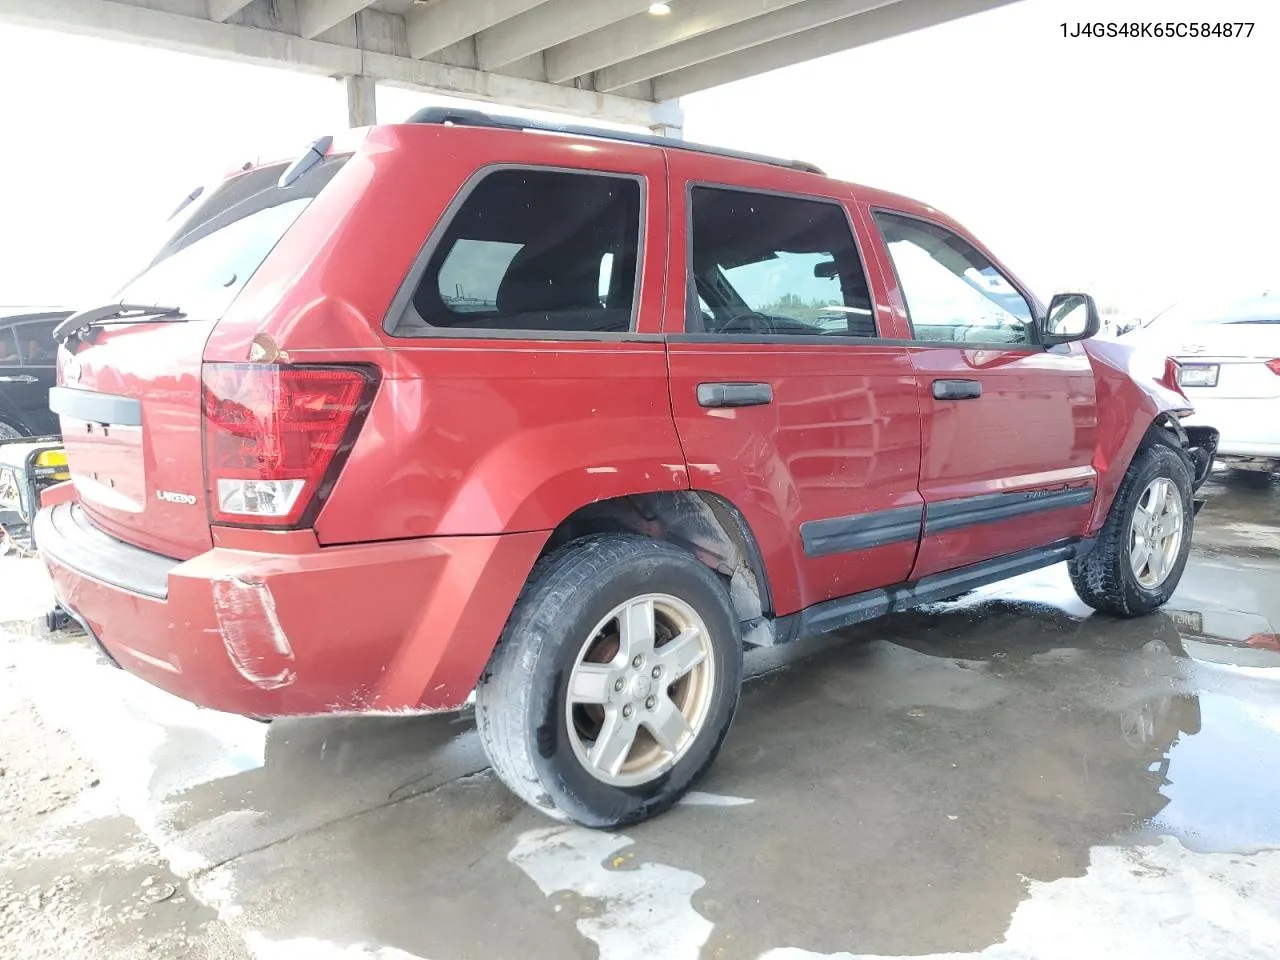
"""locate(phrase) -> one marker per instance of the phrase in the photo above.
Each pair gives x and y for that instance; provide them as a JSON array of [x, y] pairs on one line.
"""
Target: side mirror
[[1071, 316]]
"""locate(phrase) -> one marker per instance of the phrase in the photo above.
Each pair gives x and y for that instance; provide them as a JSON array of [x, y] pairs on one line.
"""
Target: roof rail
[[478, 118]]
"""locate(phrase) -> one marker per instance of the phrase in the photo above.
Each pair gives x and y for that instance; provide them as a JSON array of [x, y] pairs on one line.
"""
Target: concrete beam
[[548, 24], [229, 41], [739, 36], [517, 92], [317, 16], [362, 101], [902, 17], [643, 34], [447, 22], [221, 10]]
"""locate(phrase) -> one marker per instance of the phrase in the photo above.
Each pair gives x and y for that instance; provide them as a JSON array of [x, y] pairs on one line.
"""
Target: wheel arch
[[705, 524]]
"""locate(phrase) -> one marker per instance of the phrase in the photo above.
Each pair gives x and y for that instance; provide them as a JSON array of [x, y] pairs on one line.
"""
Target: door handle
[[957, 389], [23, 378], [734, 394]]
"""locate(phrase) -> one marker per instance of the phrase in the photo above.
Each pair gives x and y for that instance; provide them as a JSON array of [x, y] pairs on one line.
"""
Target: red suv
[[567, 418]]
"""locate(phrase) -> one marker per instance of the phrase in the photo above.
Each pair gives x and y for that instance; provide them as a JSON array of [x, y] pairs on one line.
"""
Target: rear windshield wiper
[[81, 321]]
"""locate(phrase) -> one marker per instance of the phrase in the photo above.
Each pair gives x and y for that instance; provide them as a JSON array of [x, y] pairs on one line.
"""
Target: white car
[[1230, 357]]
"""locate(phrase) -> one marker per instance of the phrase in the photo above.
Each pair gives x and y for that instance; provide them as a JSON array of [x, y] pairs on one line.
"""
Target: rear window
[[533, 250], [215, 243]]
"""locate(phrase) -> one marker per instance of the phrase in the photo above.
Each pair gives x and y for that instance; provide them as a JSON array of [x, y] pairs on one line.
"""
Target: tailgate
[[130, 392], [130, 408]]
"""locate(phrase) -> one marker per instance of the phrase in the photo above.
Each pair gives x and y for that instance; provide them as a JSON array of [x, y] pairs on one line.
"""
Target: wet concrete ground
[[1003, 776]]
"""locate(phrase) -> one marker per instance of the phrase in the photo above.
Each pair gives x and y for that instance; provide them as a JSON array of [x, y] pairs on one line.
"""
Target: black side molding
[[994, 507], [844, 534], [846, 611], [95, 407]]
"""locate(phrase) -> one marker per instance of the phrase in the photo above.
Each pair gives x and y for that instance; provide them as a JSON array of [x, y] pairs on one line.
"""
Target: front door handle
[[957, 389], [734, 394], [23, 378]]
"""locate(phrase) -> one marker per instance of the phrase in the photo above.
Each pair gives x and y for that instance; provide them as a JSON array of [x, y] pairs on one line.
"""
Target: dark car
[[567, 417], [27, 371]]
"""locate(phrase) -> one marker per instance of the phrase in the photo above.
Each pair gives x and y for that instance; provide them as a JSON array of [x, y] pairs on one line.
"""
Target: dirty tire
[[1104, 578], [520, 700], [8, 433]]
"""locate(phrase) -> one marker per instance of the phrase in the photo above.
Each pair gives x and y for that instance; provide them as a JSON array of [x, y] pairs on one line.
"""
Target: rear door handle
[[734, 394], [24, 378], [957, 389]]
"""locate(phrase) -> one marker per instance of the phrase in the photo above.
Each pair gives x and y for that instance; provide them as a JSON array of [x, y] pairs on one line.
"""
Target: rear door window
[[533, 250]]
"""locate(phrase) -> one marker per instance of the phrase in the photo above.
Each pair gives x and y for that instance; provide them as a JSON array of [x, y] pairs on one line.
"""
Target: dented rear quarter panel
[[1130, 397]]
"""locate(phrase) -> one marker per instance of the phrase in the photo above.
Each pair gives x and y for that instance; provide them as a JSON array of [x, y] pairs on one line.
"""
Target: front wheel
[[1143, 546], [614, 682]]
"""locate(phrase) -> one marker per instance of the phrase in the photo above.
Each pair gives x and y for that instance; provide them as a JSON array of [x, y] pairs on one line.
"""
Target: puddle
[[1222, 782]]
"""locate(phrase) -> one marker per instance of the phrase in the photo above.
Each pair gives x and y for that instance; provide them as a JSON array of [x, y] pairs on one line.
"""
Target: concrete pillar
[[362, 108], [670, 120]]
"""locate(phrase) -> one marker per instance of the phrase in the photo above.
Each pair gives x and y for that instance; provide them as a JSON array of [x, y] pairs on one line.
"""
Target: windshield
[[214, 244], [1260, 309]]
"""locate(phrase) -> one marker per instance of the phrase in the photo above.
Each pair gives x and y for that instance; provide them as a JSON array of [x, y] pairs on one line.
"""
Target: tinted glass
[[216, 243], [766, 264], [8, 346], [535, 250], [953, 292], [35, 343]]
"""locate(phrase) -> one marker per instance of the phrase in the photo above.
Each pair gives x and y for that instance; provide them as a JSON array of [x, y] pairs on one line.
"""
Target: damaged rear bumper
[[372, 628]]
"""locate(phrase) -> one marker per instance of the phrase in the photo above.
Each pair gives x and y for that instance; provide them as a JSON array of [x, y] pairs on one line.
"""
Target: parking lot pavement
[[1003, 776]]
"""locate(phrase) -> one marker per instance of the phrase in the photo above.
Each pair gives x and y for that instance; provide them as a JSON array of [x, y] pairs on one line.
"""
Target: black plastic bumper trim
[[67, 537], [95, 407]]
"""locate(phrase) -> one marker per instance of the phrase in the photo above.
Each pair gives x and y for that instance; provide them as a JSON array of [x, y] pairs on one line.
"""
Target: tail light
[[1171, 377], [276, 437], [1274, 366]]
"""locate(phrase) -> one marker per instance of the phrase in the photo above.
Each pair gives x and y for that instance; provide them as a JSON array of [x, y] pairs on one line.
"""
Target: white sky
[[1144, 171]]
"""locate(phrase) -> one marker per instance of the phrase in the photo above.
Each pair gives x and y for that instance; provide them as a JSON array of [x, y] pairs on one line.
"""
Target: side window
[[8, 346], [35, 343], [768, 264], [534, 250], [953, 292]]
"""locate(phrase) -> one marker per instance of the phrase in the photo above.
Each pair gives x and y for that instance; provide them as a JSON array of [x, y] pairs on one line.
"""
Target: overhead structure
[[626, 61]]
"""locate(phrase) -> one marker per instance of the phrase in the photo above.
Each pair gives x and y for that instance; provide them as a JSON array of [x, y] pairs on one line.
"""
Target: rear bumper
[[388, 627]]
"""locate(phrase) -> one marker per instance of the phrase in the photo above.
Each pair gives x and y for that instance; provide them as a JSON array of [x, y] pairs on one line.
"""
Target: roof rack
[[478, 118]]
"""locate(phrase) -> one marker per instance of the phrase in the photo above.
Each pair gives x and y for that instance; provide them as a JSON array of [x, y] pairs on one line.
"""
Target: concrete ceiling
[[611, 59]]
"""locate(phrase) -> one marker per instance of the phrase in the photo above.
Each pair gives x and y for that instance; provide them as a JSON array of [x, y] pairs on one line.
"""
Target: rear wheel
[[1143, 546], [614, 683]]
